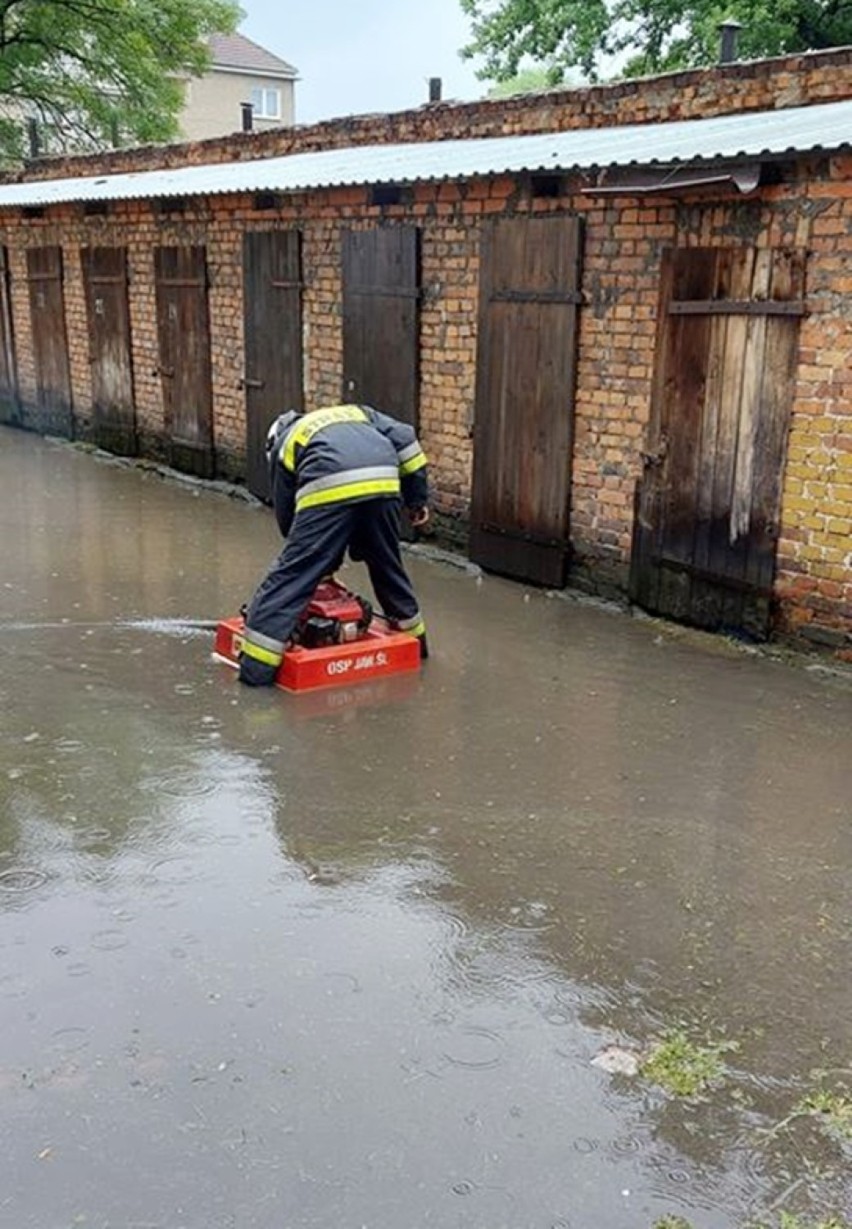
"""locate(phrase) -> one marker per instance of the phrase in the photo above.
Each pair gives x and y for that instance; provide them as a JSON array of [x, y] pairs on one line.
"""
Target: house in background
[[241, 72]]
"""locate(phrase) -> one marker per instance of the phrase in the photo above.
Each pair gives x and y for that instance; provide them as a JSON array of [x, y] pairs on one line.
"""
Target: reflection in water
[[349, 961]]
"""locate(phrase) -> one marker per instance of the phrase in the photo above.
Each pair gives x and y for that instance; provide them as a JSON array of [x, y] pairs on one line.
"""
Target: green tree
[[88, 69], [642, 36], [526, 81]]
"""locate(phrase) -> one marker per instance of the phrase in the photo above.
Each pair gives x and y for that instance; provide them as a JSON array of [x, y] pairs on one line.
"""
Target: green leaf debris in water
[[684, 1068], [786, 1220], [833, 1112]]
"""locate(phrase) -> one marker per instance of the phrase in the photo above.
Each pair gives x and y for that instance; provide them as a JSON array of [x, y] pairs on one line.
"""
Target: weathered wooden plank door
[[53, 410], [524, 415], [272, 308], [184, 335], [110, 354], [707, 507], [10, 406], [381, 292]]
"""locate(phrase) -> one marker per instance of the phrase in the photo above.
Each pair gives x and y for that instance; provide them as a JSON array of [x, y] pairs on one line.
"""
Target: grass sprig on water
[[683, 1067]]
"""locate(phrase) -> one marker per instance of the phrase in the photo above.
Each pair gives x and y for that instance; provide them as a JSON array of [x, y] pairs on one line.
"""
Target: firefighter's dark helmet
[[277, 431]]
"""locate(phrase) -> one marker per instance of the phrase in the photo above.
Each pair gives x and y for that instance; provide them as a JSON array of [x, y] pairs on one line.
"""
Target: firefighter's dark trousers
[[318, 540]]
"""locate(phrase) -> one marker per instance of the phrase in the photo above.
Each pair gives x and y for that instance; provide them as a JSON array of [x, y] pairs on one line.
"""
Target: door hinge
[[656, 457]]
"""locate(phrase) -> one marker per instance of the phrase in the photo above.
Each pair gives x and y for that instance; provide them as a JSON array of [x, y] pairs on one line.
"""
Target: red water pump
[[337, 641], [334, 615]]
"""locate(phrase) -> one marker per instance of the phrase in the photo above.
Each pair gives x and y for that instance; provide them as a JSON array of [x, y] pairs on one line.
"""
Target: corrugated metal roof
[[827, 127], [237, 51]]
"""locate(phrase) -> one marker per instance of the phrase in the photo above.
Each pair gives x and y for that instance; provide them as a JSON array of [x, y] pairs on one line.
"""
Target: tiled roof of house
[[237, 51]]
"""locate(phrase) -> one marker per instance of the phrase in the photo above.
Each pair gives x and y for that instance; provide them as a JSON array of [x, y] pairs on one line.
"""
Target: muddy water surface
[[345, 961]]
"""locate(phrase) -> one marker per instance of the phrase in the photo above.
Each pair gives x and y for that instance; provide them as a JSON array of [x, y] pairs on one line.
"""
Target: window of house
[[266, 104]]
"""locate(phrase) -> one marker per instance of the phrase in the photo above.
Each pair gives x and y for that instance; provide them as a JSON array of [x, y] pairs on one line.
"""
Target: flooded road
[[271, 961]]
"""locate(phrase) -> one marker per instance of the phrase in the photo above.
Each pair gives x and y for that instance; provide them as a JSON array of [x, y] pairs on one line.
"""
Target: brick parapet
[[778, 82]]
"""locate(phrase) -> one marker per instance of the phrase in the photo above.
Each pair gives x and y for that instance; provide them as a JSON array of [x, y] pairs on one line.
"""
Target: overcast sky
[[356, 56]]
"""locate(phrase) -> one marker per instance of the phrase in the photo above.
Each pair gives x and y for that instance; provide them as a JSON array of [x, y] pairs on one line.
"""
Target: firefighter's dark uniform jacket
[[339, 477]]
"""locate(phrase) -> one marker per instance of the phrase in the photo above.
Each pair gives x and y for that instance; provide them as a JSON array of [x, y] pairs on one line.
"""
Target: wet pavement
[[271, 961]]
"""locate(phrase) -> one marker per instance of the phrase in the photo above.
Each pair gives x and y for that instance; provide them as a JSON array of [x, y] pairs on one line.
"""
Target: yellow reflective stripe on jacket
[[411, 466], [349, 490], [345, 477], [260, 654], [317, 420]]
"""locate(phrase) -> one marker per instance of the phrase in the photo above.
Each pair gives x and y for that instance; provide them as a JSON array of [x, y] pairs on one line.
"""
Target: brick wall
[[624, 238], [814, 579]]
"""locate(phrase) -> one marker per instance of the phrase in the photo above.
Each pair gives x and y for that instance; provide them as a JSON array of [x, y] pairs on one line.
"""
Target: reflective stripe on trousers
[[262, 648]]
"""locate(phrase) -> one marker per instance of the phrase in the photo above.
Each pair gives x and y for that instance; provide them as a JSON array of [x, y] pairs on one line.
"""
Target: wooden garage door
[[9, 403], [184, 336], [272, 298], [524, 415], [707, 507], [381, 291], [114, 413], [53, 410]]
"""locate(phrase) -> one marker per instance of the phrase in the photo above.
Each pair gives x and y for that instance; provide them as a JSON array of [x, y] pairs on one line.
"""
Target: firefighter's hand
[[418, 517]]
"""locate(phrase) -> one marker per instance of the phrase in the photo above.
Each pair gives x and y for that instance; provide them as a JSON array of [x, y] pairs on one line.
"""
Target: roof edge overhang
[[277, 74]]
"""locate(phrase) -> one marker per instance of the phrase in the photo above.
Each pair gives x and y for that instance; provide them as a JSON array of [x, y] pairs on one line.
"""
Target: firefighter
[[340, 476]]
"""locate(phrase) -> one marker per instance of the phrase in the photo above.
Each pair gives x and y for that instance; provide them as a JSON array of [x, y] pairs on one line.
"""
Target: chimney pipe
[[729, 30], [434, 89], [248, 116]]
